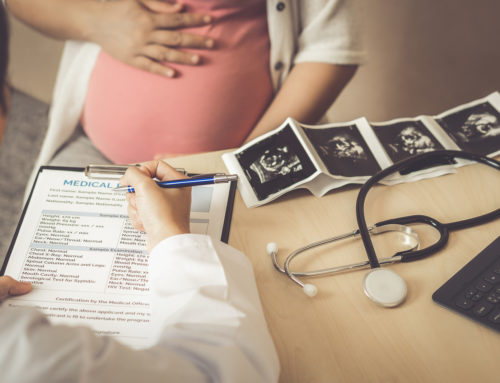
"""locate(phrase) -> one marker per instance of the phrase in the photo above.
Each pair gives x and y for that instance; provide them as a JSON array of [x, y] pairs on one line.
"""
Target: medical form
[[87, 264]]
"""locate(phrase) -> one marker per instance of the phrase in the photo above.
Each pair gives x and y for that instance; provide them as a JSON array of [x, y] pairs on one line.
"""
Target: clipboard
[[117, 170], [75, 244]]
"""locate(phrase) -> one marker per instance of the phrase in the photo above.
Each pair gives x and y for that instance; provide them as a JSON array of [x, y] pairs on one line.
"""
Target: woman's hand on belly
[[147, 33]]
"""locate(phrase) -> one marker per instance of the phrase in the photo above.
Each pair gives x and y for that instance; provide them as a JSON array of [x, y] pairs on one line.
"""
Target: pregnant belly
[[131, 115]]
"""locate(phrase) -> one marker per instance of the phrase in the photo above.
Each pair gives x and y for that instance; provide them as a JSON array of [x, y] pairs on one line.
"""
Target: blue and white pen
[[187, 182]]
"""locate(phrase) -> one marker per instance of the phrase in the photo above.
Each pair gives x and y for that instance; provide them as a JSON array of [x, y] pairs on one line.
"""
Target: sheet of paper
[[87, 264]]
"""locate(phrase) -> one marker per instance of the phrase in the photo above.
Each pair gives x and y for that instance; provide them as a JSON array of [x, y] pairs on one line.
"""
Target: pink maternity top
[[132, 115]]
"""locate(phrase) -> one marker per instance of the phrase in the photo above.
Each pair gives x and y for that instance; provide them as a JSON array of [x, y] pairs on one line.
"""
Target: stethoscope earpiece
[[272, 248], [310, 290], [385, 287]]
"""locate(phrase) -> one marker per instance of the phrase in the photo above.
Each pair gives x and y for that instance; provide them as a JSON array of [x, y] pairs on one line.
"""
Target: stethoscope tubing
[[424, 160], [377, 229], [392, 283]]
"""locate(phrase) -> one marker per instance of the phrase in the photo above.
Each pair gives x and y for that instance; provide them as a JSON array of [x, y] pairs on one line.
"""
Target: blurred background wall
[[423, 57], [34, 60]]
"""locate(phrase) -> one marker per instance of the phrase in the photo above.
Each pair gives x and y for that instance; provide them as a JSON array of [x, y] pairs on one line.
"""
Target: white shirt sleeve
[[330, 32], [326, 31], [205, 308]]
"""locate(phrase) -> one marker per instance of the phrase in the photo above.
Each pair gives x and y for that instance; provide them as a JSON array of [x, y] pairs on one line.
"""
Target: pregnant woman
[[147, 78]]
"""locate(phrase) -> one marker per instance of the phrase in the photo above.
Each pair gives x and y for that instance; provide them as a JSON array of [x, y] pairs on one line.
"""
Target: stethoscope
[[384, 286]]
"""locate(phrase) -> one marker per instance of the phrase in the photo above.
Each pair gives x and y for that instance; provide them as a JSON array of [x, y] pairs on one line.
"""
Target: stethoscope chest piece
[[385, 287]]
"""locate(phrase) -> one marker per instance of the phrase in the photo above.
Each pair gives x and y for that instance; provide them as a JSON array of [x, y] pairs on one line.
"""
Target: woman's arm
[[141, 33], [306, 95], [317, 45]]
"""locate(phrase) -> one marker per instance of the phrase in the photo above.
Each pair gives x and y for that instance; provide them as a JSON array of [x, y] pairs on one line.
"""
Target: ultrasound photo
[[475, 129], [405, 139], [275, 163], [343, 151]]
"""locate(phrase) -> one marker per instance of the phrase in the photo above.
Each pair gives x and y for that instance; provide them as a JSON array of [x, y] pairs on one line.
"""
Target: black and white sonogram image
[[343, 150], [475, 129], [405, 139], [275, 163]]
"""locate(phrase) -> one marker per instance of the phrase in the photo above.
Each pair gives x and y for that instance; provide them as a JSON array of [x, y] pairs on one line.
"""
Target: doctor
[[216, 333]]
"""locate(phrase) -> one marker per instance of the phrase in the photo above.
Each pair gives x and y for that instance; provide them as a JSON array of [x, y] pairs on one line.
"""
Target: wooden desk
[[341, 336]]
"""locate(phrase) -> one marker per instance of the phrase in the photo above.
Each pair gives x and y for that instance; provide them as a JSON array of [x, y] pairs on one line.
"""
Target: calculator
[[474, 291]]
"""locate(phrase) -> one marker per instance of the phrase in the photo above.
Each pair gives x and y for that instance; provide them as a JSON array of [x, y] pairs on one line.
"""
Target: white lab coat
[[208, 319]]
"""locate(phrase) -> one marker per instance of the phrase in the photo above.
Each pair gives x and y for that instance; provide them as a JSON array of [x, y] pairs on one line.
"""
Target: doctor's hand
[[159, 212], [9, 287], [148, 34]]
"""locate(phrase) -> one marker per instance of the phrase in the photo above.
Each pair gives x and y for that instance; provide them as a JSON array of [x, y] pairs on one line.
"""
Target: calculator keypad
[[474, 291], [484, 296]]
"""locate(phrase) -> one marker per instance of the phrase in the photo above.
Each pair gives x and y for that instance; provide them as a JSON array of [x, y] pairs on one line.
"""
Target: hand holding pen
[[160, 212]]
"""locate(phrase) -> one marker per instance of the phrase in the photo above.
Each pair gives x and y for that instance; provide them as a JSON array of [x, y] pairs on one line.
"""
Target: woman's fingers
[[149, 34], [180, 39], [152, 66], [180, 20], [161, 53], [162, 6]]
